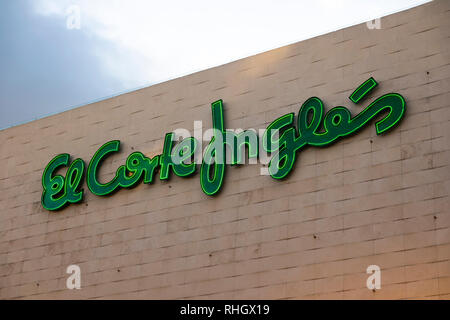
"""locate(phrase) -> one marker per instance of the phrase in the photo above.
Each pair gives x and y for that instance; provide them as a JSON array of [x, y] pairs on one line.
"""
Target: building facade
[[365, 200]]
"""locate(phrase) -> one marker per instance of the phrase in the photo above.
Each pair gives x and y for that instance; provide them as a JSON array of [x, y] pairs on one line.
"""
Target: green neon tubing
[[338, 122], [97, 188], [214, 153], [59, 191], [283, 139], [363, 90], [184, 150], [136, 168]]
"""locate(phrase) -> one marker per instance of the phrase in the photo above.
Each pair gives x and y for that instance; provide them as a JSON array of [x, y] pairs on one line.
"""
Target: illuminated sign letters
[[283, 138]]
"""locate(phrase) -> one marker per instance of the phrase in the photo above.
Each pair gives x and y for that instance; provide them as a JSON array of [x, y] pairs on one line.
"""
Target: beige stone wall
[[365, 200]]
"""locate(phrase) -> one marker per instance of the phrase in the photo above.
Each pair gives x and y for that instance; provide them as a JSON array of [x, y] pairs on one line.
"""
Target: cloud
[[122, 45], [45, 68], [158, 40]]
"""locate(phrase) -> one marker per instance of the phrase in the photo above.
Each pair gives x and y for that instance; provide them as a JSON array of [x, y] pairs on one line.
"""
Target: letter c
[[96, 187]]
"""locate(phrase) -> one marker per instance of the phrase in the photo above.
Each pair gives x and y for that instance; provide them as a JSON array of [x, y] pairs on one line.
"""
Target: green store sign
[[282, 139]]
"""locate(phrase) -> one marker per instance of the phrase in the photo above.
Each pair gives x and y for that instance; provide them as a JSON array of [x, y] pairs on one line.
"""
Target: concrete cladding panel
[[366, 200]]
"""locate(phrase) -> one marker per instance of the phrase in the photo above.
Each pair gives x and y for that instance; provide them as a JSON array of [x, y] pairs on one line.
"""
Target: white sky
[[159, 40], [123, 45]]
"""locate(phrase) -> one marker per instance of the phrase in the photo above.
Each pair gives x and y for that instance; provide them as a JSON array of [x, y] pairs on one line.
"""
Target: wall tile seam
[[224, 225], [146, 213], [329, 275], [267, 215], [233, 276], [255, 287], [236, 220], [263, 257]]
